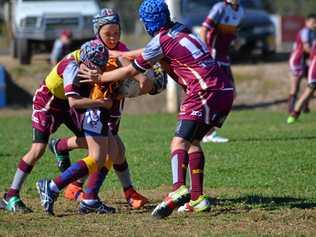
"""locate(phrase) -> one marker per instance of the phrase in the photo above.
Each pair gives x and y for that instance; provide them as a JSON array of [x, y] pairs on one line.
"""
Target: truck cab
[[35, 24], [256, 32]]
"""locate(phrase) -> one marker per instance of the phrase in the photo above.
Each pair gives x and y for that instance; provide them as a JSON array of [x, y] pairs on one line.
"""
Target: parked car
[[256, 33], [35, 24]]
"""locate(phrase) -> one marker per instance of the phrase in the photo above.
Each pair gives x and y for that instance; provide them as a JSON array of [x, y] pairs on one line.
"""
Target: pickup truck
[[35, 24]]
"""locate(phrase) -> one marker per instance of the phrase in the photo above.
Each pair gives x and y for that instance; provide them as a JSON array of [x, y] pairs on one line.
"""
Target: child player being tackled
[[107, 29], [208, 100]]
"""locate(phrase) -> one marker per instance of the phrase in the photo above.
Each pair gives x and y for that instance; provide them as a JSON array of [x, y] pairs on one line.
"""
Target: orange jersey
[[106, 89]]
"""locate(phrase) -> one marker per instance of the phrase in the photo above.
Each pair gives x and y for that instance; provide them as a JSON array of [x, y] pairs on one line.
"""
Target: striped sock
[[77, 170], [94, 184], [179, 164], [62, 146], [123, 174], [23, 170], [196, 164]]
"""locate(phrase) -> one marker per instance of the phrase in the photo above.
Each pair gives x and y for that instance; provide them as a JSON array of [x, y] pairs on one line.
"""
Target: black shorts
[[192, 130]]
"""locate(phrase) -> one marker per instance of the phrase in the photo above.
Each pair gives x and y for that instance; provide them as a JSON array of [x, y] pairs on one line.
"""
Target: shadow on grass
[[16, 95], [247, 203], [241, 107], [262, 139]]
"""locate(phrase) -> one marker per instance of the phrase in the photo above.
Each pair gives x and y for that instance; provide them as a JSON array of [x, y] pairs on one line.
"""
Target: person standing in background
[[218, 31], [62, 47], [299, 60]]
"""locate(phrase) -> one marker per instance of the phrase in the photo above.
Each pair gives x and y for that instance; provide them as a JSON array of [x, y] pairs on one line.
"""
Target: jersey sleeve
[[304, 35], [71, 83], [151, 54], [214, 16]]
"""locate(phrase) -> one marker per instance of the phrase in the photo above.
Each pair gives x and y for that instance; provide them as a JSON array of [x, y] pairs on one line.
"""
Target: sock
[[77, 170], [21, 173], [179, 164], [62, 146], [123, 174], [291, 103], [94, 184], [196, 164]]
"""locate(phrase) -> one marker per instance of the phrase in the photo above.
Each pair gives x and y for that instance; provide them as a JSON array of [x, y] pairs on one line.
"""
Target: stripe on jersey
[[227, 29], [196, 75]]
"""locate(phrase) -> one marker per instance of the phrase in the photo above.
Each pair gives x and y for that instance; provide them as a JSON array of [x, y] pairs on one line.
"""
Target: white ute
[[35, 24]]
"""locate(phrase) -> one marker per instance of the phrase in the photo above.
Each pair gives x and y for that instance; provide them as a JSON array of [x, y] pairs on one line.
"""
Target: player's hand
[[115, 53], [89, 75]]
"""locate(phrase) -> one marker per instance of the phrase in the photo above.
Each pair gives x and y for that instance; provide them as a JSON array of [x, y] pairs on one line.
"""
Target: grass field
[[262, 183]]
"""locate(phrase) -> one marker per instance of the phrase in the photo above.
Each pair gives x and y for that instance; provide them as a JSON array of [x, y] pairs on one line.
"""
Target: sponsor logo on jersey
[[197, 113]]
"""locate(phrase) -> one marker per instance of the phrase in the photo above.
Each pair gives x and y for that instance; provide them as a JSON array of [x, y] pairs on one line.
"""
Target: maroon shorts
[[298, 67], [50, 112], [208, 107]]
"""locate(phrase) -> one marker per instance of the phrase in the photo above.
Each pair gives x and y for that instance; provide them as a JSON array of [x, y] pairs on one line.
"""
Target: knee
[[179, 143]]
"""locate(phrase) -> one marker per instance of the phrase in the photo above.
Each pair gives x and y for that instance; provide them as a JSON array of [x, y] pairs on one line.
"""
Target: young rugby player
[[108, 30], [208, 101], [218, 31], [309, 91], [96, 131], [298, 59], [52, 105]]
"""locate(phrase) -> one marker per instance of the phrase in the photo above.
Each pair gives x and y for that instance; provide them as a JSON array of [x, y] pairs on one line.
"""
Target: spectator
[[62, 46]]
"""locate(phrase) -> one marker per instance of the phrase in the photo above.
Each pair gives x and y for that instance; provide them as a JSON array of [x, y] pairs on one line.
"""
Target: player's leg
[[120, 166], [199, 202], [185, 133], [297, 74], [212, 135], [61, 147], [98, 147], [11, 199], [43, 123], [306, 95]]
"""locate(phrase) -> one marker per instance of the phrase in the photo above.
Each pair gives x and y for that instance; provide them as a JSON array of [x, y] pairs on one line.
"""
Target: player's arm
[[209, 27], [79, 102], [72, 90], [126, 54]]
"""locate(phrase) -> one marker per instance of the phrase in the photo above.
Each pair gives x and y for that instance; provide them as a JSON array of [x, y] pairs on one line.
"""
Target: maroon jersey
[[298, 56], [192, 67], [312, 67], [188, 58], [222, 22]]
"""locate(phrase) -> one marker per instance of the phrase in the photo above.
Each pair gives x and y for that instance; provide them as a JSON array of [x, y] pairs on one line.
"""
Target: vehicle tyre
[[24, 51]]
